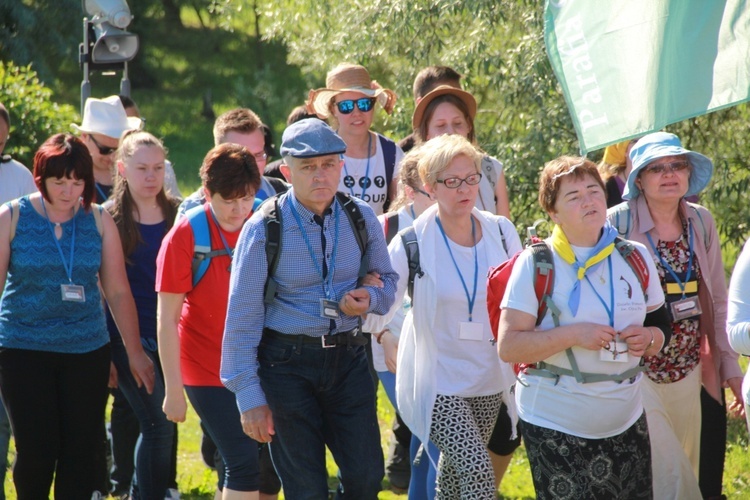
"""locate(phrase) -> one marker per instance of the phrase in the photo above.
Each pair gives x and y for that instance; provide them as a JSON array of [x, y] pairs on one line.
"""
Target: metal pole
[[85, 84], [125, 82]]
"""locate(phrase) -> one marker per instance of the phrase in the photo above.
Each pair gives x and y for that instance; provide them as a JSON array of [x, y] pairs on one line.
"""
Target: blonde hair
[[408, 175], [438, 153]]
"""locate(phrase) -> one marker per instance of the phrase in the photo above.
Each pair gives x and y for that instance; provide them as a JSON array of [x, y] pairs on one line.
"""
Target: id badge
[[468, 330], [615, 352], [329, 309], [73, 293], [688, 307]]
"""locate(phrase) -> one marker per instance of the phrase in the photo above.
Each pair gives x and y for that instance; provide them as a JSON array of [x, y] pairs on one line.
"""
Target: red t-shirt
[[204, 311]]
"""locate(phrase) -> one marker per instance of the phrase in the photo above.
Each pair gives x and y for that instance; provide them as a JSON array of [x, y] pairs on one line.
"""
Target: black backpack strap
[[502, 237], [409, 238], [277, 184], [357, 221], [389, 157], [272, 222], [391, 226]]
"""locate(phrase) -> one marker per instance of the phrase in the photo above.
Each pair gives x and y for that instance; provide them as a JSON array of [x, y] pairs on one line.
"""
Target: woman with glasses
[[687, 422], [449, 381], [450, 110], [579, 392], [371, 161]]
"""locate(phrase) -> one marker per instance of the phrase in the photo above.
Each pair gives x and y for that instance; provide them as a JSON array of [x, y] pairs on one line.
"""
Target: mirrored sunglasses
[[364, 104]]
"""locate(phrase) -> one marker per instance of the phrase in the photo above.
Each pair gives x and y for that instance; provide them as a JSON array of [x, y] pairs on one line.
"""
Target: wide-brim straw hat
[[348, 78], [658, 145], [465, 97], [106, 117]]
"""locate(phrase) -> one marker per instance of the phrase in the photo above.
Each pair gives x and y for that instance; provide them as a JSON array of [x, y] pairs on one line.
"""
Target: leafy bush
[[33, 115]]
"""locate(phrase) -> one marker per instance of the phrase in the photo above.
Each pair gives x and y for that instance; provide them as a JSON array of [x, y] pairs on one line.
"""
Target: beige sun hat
[[348, 78], [106, 117], [466, 97]]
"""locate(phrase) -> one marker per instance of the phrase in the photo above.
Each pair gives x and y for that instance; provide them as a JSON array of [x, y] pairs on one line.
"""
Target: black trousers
[[713, 444]]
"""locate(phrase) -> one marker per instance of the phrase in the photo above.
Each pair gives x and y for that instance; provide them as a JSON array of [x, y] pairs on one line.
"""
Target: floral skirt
[[564, 466]]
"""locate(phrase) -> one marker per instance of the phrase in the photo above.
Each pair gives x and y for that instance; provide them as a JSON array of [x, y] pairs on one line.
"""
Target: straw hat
[[467, 98], [348, 78], [106, 117], [661, 144]]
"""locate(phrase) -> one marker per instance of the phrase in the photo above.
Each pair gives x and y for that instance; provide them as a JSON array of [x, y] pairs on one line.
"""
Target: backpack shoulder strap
[[277, 184], [389, 157], [636, 262], [544, 281], [409, 238], [357, 220], [502, 237], [622, 219], [703, 225], [488, 169], [14, 212], [391, 226], [272, 223], [202, 252]]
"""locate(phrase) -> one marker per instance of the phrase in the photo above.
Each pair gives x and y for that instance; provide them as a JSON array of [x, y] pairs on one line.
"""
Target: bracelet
[[650, 344], [379, 336]]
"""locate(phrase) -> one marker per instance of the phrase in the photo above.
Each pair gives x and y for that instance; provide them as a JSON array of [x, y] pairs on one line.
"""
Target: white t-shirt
[[370, 186], [459, 356], [595, 410], [15, 181]]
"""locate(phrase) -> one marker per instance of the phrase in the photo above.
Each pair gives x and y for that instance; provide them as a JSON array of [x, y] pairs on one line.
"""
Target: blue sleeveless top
[[142, 277], [32, 313]]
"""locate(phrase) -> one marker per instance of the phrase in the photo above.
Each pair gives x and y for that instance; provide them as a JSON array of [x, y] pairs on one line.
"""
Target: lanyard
[[611, 309], [366, 182], [669, 268], [328, 280], [68, 270], [230, 251], [101, 192], [473, 297]]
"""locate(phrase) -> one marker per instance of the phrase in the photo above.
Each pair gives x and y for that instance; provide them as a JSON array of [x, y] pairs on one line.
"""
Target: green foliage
[[34, 117], [496, 45]]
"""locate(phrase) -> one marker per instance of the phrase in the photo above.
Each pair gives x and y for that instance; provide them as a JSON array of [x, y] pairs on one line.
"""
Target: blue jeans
[[423, 474], [321, 397], [217, 409], [153, 451]]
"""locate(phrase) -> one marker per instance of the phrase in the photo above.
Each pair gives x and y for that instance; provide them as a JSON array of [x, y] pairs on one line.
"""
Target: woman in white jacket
[[449, 381], [738, 316]]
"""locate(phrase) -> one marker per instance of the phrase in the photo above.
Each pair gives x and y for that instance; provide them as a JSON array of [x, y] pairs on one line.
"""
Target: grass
[[196, 481]]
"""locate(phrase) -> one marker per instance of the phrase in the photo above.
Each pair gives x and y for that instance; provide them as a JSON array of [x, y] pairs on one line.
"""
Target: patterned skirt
[[565, 467]]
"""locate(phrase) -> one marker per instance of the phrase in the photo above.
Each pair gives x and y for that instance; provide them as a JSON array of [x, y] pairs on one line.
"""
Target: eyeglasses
[[364, 104], [674, 166], [260, 156], [455, 182], [422, 192], [103, 150]]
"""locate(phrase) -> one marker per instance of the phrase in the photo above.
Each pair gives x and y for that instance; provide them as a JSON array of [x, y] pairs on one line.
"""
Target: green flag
[[630, 67]]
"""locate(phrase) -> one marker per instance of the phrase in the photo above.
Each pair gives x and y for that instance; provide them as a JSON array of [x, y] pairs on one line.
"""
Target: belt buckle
[[323, 342]]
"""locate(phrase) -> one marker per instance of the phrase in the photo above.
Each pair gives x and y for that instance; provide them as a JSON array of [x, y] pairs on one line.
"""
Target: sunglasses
[[454, 182], [675, 166], [364, 104], [103, 150]]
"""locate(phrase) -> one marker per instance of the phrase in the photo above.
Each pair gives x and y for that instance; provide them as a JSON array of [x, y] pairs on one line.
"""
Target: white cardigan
[[417, 353]]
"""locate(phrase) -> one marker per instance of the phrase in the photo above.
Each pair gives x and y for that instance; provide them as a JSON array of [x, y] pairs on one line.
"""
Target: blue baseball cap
[[658, 145], [309, 138]]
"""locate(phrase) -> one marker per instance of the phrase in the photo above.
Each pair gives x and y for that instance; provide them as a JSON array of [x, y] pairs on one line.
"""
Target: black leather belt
[[350, 338]]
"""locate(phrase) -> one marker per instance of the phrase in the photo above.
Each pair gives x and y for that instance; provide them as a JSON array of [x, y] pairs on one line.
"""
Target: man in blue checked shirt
[[298, 364]]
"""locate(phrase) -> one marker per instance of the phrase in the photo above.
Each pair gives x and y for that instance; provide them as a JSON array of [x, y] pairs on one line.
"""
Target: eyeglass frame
[[102, 148], [356, 103], [663, 168], [461, 181]]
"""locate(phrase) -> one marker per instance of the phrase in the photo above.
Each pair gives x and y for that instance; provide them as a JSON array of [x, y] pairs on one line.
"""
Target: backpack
[[273, 224], [544, 279], [409, 239], [278, 185], [202, 251], [389, 157], [488, 168]]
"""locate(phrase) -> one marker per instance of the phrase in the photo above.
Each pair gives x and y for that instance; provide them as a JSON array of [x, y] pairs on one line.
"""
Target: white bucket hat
[[106, 117]]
